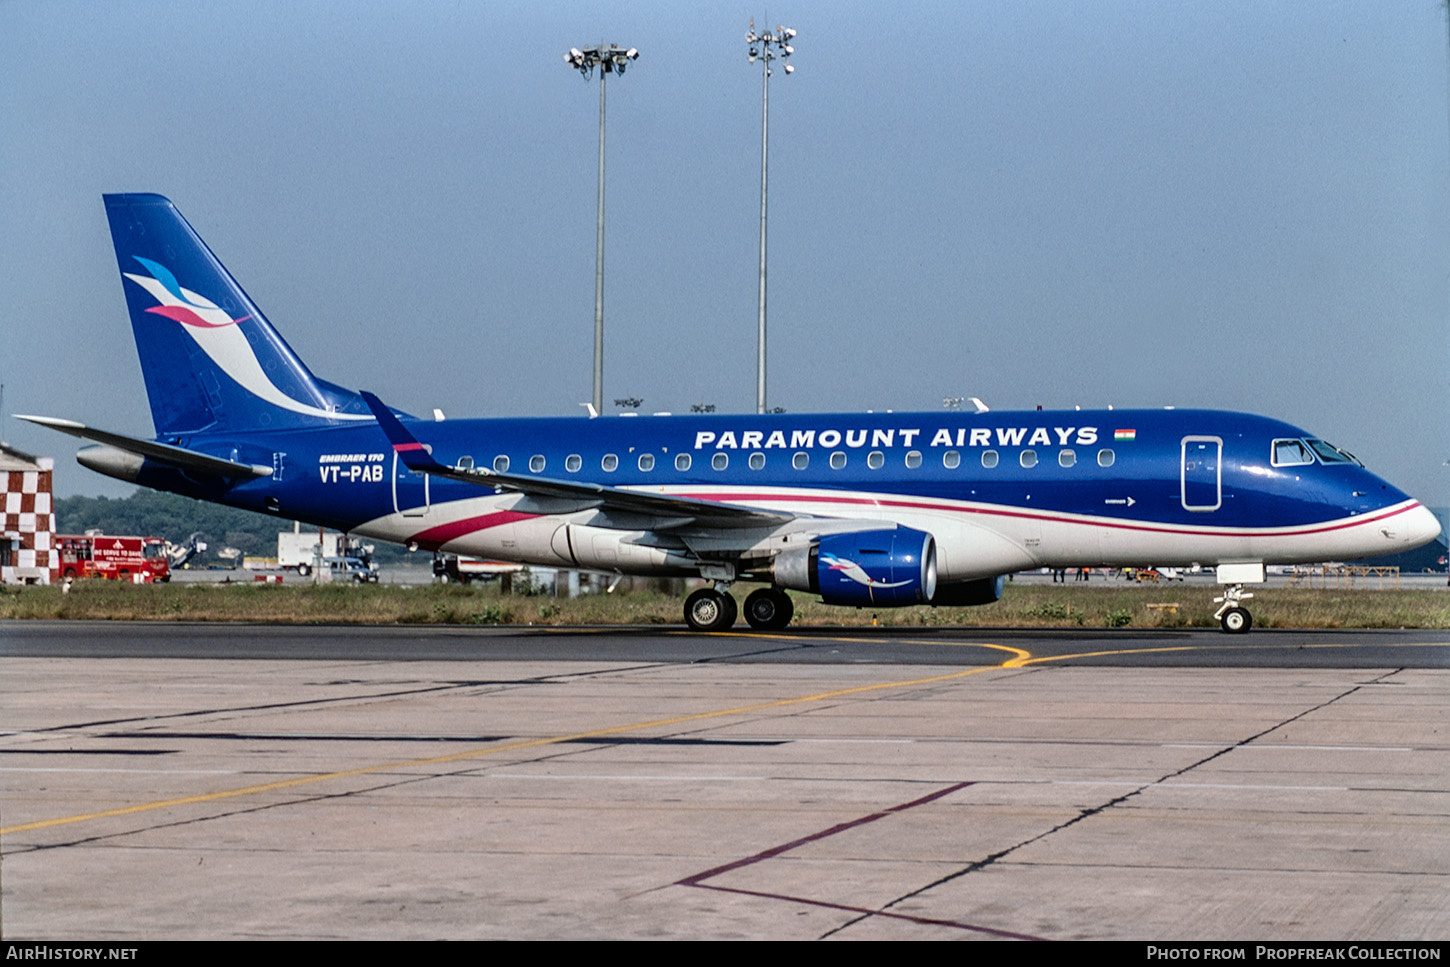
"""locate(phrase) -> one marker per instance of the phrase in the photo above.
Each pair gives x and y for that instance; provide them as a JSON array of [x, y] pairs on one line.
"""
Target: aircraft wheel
[[1236, 621], [769, 609], [709, 610]]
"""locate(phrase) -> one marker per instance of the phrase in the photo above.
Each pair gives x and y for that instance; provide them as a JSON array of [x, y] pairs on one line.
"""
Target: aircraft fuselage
[[1001, 491]]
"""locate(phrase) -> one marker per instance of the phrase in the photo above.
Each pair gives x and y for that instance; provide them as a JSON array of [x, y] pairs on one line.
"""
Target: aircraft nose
[[1416, 528]]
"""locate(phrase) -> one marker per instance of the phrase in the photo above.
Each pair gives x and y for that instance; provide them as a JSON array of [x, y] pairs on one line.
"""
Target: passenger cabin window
[[875, 459], [951, 459], [1291, 453], [682, 461], [610, 463], [1066, 458], [646, 462], [1106, 458], [536, 463], [501, 463], [720, 461], [801, 460], [757, 461], [465, 463], [1028, 458], [913, 459], [989, 458], [573, 462], [838, 460]]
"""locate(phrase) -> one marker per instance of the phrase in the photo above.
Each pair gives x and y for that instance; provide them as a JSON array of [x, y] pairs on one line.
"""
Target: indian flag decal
[[1125, 434]]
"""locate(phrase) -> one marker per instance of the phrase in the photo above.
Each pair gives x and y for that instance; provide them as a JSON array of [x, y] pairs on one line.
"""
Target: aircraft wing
[[677, 510], [160, 452]]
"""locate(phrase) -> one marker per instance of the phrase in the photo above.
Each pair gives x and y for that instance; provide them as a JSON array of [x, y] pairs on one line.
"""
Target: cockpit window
[[1328, 453], [1291, 453]]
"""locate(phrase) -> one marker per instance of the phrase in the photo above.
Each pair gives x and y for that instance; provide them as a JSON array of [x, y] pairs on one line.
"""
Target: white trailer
[[297, 549]]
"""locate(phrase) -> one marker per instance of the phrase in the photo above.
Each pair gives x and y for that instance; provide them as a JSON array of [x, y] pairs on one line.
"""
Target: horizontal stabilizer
[[674, 511], [152, 450]]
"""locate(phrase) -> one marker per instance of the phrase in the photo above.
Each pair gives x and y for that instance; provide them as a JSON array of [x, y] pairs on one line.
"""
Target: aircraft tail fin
[[211, 360]]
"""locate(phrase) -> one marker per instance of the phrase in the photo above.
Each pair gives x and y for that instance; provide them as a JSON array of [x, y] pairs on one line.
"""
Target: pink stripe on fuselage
[[435, 537], [737, 498]]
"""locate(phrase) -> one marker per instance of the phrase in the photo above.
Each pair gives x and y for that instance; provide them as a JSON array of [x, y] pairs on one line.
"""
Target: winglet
[[413, 454]]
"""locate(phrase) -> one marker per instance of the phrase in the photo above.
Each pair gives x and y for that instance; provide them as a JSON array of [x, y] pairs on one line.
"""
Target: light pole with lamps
[[609, 60], [765, 47]]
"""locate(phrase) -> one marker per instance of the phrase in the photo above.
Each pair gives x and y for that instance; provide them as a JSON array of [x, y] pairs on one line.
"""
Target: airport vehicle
[[867, 510], [108, 556], [180, 556], [351, 569], [462, 569]]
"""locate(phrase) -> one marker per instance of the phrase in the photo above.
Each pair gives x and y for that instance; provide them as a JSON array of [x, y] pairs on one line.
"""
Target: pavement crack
[[1001, 854], [394, 783], [550, 679]]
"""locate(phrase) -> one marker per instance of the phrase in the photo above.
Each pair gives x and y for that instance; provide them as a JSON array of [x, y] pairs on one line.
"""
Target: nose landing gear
[[1232, 618]]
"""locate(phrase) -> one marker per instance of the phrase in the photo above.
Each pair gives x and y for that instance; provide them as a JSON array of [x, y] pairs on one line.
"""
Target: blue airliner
[[865, 510]]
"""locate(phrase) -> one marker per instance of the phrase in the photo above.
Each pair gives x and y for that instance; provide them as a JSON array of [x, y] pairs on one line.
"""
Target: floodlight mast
[[611, 59], [765, 47]]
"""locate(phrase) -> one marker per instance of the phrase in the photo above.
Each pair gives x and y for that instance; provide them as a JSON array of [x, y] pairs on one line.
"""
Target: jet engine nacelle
[[888, 568]]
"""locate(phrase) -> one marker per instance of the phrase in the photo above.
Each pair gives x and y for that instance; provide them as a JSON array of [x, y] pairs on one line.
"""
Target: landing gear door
[[1202, 473], [410, 490]]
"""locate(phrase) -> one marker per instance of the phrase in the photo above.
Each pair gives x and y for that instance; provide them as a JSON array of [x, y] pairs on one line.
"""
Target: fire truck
[[139, 559]]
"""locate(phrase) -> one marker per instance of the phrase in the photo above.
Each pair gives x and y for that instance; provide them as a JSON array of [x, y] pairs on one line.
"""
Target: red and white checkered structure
[[27, 524]]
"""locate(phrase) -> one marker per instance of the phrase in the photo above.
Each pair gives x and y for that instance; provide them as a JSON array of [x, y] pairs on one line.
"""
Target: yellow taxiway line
[[1020, 658], [492, 750]]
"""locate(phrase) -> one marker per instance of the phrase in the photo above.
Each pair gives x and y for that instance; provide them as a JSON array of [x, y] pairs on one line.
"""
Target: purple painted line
[[868, 912], [775, 851], [698, 879]]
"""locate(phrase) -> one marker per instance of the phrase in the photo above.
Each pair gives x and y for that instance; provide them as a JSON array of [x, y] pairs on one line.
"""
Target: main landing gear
[[1232, 618], [713, 609], [769, 609], [710, 609]]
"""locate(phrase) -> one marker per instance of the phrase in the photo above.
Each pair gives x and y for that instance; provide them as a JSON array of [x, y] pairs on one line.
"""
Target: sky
[[1236, 204]]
